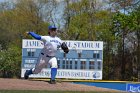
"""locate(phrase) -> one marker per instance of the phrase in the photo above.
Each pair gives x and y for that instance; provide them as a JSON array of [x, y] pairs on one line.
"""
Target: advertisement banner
[[133, 88], [68, 73]]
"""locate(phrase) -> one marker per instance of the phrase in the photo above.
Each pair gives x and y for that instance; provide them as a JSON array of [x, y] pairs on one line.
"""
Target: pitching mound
[[19, 84]]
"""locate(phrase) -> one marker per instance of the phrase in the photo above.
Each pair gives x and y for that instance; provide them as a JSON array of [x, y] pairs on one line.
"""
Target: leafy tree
[[80, 19], [24, 15], [135, 39], [84, 21], [10, 62]]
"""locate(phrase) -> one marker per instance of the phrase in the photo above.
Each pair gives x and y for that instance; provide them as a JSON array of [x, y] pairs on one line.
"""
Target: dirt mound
[[20, 84]]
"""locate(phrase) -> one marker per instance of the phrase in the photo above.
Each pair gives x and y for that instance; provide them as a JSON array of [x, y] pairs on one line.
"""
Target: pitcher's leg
[[53, 63], [39, 65]]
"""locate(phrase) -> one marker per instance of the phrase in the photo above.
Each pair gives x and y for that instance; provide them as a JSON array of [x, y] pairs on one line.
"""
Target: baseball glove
[[64, 47]]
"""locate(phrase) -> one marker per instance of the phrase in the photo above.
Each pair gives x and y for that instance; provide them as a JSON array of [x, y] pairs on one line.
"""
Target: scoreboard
[[84, 60]]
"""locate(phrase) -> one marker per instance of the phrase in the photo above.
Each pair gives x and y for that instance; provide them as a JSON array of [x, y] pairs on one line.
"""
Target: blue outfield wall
[[123, 86]]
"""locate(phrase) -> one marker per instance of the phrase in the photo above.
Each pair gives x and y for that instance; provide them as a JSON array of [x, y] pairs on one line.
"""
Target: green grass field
[[44, 91]]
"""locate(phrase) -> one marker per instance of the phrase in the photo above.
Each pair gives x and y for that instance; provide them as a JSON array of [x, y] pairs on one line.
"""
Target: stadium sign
[[84, 61], [84, 45], [133, 88]]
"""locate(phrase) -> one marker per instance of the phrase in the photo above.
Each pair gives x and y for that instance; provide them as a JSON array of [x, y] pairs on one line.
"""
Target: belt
[[48, 55]]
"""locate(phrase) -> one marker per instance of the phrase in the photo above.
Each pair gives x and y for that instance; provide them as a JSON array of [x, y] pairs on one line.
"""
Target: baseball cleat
[[52, 82], [26, 75]]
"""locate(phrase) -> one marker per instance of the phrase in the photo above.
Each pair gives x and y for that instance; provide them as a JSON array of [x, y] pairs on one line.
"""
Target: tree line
[[115, 22]]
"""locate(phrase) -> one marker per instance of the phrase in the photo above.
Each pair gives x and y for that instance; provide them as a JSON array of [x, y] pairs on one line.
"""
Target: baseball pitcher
[[47, 55]]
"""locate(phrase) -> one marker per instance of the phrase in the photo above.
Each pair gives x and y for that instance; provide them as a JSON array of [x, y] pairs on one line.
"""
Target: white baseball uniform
[[47, 54]]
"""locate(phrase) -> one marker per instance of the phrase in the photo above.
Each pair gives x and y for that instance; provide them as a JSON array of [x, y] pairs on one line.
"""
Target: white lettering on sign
[[29, 61], [31, 50], [134, 89]]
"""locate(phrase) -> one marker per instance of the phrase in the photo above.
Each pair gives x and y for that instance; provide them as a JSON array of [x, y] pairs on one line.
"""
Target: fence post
[[138, 76]]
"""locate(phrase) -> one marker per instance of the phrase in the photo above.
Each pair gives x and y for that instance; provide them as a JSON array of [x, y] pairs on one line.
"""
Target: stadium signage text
[[84, 45], [133, 88], [76, 74]]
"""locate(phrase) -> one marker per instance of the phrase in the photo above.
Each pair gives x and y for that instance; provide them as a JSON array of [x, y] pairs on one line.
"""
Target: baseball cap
[[52, 27]]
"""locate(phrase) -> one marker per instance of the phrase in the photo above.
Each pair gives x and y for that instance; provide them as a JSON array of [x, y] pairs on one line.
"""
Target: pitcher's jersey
[[51, 45]]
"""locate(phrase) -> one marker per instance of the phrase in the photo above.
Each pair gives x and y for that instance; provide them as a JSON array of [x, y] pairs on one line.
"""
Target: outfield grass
[[44, 91]]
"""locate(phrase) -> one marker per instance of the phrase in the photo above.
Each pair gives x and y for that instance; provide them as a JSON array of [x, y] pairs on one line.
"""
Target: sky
[[56, 16], [2, 0], [8, 0], [5, 0]]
